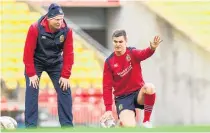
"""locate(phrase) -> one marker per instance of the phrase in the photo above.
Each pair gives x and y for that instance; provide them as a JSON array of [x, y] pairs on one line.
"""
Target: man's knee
[[127, 118], [128, 123], [149, 88]]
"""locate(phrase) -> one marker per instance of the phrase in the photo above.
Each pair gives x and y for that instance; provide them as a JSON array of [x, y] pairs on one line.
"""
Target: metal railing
[[91, 43]]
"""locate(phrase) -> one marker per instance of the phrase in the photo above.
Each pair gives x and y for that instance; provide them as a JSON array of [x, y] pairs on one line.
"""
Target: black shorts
[[128, 101]]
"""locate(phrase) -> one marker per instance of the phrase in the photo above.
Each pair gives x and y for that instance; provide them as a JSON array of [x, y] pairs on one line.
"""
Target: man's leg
[[64, 97], [127, 118], [147, 97], [31, 101], [126, 110]]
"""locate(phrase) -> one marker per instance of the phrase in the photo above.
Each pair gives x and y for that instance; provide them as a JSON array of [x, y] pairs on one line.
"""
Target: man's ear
[[126, 38]]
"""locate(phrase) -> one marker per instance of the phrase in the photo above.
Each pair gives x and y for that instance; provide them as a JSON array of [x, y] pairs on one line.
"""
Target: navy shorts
[[128, 101]]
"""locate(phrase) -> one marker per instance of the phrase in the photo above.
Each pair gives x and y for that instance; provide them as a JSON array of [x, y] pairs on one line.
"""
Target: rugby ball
[[108, 123], [8, 123]]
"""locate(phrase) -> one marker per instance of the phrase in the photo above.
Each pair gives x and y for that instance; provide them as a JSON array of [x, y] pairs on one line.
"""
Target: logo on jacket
[[62, 38], [43, 37], [60, 11], [128, 58]]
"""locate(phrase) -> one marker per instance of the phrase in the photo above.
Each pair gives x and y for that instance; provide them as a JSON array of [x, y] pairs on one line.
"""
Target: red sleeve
[[30, 46], [141, 55], [107, 87], [68, 56]]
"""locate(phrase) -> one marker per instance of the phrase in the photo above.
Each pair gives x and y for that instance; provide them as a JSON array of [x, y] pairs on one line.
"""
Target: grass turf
[[138, 129]]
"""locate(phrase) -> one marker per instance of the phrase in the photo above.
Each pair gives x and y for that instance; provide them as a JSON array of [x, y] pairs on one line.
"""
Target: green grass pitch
[[128, 130]]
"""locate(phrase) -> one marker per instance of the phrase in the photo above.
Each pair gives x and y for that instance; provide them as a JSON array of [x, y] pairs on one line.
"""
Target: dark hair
[[118, 33]]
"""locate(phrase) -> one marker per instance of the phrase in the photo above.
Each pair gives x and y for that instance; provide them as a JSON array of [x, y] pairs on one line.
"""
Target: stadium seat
[[22, 82], [191, 17], [21, 7]]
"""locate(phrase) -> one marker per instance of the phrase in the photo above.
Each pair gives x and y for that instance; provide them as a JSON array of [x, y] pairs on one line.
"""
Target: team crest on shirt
[[120, 107], [128, 58], [61, 38]]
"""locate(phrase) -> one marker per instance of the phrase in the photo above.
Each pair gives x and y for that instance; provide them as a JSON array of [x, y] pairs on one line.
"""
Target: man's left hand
[[155, 42], [64, 83]]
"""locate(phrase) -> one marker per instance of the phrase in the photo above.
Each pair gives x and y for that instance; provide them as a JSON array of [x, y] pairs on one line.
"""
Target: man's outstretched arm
[[107, 87], [107, 93]]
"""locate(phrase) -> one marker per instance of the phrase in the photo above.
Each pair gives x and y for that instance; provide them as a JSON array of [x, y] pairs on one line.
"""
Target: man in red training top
[[49, 47], [122, 73]]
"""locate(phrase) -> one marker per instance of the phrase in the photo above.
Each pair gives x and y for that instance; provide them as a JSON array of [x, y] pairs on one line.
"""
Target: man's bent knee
[[128, 123], [127, 118], [149, 88]]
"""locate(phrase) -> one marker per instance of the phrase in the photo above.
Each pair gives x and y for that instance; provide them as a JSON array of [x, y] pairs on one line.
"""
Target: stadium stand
[[15, 23], [190, 17]]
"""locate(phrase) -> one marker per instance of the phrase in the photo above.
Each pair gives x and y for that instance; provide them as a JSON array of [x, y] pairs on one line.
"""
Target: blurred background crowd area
[[179, 69]]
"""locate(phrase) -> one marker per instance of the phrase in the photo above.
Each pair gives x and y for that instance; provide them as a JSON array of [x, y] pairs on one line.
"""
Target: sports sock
[[149, 100]]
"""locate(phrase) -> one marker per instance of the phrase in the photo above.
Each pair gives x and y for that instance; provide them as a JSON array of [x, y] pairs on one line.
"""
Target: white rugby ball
[[108, 123], [8, 123]]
